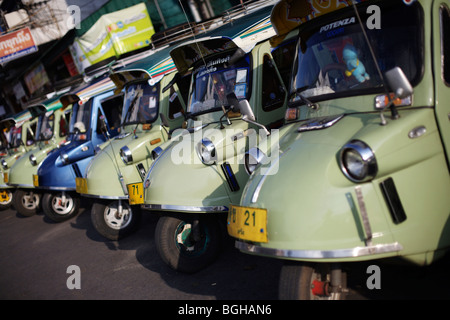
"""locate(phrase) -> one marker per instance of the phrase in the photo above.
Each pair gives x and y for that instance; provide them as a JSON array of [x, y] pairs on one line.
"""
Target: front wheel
[[60, 206], [188, 245], [26, 202], [6, 197], [312, 281], [115, 220]]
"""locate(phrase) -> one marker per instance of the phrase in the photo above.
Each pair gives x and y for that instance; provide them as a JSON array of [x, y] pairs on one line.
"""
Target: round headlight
[[206, 151], [253, 158], [64, 158], [33, 160], [156, 152], [358, 161], [4, 164], [125, 155]]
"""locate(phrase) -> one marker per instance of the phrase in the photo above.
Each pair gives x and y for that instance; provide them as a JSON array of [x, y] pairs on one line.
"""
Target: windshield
[[212, 83], [141, 103], [333, 59], [16, 137], [81, 119], [45, 126]]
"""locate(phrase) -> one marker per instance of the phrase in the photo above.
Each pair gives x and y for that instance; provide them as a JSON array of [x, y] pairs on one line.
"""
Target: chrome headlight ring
[[125, 155], [156, 152], [65, 158], [252, 159], [33, 160], [206, 151], [357, 161]]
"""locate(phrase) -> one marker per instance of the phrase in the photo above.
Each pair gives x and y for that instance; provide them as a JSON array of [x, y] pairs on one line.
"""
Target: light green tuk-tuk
[[236, 97], [20, 129], [153, 107], [362, 169], [52, 130]]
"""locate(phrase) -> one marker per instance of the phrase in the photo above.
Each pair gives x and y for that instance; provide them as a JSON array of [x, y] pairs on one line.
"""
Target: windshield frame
[[87, 107], [311, 28], [41, 119], [208, 62], [127, 110]]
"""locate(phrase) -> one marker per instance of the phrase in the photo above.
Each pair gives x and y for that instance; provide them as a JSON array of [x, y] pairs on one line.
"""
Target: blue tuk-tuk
[[96, 113]]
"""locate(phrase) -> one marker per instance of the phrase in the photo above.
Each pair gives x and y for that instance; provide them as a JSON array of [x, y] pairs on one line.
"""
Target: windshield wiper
[[199, 113], [309, 103]]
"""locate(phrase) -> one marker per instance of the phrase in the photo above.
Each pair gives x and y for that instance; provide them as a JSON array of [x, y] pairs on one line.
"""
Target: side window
[[112, 108], [175, 106], [283, 55], [445, 43], [31, 131], [64, 122], [273, 92], [184, 84]]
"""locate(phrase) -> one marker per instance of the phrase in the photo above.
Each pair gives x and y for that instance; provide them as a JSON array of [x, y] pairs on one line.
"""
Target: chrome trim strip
[[320, 254], [21, 185], [185, 208], [104, 197], [56, 188]]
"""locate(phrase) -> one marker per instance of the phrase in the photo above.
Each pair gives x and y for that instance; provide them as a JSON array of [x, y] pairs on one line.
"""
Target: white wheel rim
[[30, 201], [116, 221], [60, 207]]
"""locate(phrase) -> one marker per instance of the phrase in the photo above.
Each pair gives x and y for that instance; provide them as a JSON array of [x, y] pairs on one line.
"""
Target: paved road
[[36, 252]]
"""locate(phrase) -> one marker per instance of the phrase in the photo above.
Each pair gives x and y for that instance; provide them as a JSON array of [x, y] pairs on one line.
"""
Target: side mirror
[[246, 110], [398, 83]]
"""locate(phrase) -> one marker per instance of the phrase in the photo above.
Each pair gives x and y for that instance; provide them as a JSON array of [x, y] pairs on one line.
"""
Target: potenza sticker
[[337, 24]]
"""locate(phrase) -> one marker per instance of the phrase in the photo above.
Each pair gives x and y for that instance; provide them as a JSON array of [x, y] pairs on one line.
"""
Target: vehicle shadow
[[233, 276]]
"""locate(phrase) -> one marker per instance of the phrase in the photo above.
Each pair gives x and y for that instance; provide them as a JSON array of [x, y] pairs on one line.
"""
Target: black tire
[[58, 211], [106, 221], [27, 202], [297, 282], [6, 198], [177, 248]]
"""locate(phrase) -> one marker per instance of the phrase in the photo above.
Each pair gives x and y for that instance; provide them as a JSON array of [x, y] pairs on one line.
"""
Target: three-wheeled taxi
[[96, 113], [153, 107], [237, 95], [21, 129], [362, 172], [52, 131]]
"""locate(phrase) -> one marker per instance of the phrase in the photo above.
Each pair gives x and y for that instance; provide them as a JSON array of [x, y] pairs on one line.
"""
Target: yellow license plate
[[81, 185], [136, 193], [35, 180], [247, 223], [5, 177]]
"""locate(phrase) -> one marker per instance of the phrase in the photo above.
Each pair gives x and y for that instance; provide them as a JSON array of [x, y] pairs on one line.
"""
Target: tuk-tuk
[[362, 170], [52, 131], [96, 113], [153, 107], [236, 97], [21, 129]]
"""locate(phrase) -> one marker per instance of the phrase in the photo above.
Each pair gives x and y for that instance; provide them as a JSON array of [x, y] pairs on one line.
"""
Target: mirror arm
[[245, 118]]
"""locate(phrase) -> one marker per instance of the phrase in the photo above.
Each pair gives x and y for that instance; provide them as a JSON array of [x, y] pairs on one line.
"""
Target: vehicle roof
[[88, 90], [288, 14], [244, 32], [243, 28]]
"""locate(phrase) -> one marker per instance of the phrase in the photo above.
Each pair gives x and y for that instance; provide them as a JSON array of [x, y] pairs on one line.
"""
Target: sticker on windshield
[[241, 76], [239, 90], [151, 102], [173, 97]]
